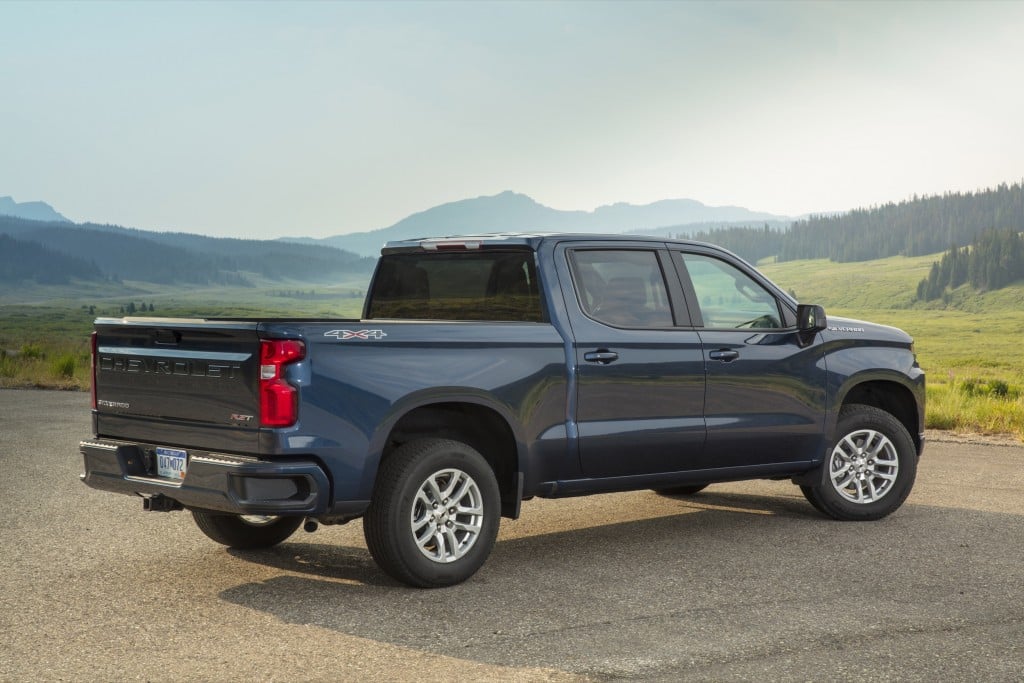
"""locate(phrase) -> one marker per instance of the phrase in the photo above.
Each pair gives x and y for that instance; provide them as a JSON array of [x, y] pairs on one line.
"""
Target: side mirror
[[810, 320]]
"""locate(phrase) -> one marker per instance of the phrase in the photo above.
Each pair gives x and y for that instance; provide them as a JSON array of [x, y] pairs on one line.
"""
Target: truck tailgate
[[178, 382]]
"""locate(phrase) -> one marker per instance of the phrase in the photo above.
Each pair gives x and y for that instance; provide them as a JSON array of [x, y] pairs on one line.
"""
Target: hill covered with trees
[[753, 244], [915, 227], [29, 261], [918, 226], [118, 253], [994, 260], [981, 231]]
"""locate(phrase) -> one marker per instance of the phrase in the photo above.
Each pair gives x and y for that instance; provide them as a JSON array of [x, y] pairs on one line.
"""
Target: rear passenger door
[[639, 364], [765, 401]]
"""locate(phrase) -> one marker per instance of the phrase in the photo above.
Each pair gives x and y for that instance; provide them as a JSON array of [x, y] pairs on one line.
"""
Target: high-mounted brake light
[[459, 245], [279, 400]]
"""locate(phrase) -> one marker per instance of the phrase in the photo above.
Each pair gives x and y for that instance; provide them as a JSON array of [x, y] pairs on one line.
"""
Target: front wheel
[[245, 532], [870, 469], [434, 513]]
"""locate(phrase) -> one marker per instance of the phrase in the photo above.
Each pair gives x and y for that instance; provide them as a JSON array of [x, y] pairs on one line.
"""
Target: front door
[[765, 401]]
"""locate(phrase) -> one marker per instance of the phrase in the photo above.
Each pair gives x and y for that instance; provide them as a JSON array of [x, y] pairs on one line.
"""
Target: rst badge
[[345, 335]]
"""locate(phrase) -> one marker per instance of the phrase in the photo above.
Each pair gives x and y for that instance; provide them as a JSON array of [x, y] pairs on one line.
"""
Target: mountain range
[[49, 248], [514, 212], [43, 246], [37, 211], [54, 251]]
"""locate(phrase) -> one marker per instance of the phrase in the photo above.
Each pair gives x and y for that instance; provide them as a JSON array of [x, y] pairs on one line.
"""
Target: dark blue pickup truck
[[488, 370]]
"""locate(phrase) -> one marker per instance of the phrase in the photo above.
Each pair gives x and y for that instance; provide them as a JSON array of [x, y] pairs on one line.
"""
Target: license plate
[[171, 462]]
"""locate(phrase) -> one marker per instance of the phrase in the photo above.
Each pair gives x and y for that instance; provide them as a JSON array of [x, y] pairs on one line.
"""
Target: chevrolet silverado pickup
[[491, 369]]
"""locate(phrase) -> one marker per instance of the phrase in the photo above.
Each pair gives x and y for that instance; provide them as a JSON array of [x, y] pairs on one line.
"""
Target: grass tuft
[[63, 367], [31, 351], [8, 367]]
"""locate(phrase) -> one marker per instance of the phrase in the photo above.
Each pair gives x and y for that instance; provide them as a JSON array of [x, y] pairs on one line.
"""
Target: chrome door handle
[[603, 356]]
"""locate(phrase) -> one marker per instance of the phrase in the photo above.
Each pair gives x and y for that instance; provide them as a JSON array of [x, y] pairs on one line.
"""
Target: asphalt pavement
[[742, 582]]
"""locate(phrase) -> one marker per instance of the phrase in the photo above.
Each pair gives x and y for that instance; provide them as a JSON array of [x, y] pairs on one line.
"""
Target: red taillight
[[279, 401], [93, 356]]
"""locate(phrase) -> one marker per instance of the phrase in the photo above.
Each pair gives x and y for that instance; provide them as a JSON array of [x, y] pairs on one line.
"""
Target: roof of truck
[[530, 240]]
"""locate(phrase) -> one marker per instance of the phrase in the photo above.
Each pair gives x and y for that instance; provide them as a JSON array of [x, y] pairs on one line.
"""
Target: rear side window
[[622, 288], [479, 285]]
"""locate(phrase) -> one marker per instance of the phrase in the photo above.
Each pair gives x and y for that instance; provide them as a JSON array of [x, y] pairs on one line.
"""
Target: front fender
[[887, 377]]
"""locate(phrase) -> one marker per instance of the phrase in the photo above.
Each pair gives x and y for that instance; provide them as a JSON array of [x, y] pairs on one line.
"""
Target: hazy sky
[[271, 119]]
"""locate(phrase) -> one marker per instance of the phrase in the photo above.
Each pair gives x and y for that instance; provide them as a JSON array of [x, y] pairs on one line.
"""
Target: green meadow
[[44, 331], [970, 345]]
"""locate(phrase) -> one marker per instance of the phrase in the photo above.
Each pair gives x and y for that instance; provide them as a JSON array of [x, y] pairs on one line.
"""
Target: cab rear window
[[478, 285]]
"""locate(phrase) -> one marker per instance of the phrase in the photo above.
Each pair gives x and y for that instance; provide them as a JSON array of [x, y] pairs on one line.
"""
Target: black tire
[[681, 490], [870, 469], [245, 532], [429, 547]]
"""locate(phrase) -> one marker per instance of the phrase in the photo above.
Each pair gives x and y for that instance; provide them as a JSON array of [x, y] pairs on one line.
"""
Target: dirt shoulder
[[941, 436]]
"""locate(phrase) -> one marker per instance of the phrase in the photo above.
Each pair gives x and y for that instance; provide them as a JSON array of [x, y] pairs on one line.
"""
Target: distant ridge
[[35, 211], [514, 212], [921, 225], [116, 254], [22, 261]]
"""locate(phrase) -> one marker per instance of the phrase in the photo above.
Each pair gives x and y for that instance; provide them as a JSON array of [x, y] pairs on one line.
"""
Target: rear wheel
[[246, 532], [434, 513], [870, 469]]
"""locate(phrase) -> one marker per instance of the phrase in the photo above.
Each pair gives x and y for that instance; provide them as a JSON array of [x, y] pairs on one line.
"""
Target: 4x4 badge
[[342, 335]]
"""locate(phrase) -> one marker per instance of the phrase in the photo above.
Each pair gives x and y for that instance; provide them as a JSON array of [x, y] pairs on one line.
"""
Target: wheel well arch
[[893, 398], [479, 426]]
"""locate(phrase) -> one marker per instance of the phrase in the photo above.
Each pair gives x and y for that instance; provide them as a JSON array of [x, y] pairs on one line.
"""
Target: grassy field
[[971, 350], [44, 331]]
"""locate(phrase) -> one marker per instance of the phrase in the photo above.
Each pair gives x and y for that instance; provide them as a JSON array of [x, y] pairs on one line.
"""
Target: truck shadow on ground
[[543, 597], [355, 565]]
